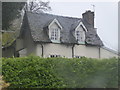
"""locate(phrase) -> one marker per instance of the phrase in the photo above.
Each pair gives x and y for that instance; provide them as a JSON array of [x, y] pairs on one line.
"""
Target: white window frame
[[54, 34]]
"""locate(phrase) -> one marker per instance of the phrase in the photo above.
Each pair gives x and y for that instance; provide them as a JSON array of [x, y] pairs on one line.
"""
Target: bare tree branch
[[38, 6]]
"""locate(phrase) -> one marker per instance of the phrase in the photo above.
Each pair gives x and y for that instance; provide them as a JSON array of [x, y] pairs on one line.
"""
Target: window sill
[[81, 43], [55, 41]]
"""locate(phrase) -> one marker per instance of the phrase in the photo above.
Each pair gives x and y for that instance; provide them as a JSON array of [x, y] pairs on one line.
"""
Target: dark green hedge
[[36, 72]]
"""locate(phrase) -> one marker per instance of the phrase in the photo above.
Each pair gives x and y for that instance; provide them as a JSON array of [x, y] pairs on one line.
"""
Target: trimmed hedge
[[36, 72]]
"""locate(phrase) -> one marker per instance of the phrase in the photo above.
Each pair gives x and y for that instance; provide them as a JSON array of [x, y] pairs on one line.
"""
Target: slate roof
[[39, 22]]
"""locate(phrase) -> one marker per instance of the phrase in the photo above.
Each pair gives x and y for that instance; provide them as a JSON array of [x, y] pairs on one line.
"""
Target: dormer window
[[80, 33], [54, 31]]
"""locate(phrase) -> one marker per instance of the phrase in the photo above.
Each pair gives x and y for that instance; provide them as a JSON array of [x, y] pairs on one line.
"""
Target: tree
[[10, 11], [38, 6]]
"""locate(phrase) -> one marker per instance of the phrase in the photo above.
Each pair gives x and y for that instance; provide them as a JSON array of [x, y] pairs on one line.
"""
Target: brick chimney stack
[[88, 17]]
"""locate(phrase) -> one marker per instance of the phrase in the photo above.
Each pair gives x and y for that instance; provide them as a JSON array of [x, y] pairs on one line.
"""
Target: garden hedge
[[36, 72]]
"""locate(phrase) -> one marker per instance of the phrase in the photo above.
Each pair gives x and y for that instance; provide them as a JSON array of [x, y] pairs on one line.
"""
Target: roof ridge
[[54, 15]]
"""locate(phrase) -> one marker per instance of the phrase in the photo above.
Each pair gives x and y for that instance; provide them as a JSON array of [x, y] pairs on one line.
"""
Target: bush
[[36, 72]]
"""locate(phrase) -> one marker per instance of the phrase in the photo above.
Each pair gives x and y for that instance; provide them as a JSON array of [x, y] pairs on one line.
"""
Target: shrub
[[36, 72]]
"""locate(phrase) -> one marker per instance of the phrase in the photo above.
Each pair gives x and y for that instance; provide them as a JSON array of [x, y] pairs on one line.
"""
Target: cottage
[[48, 35]]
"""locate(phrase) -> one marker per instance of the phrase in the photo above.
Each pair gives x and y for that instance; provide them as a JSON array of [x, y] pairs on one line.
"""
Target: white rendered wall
[[54, 49], [87, 51], [107, 54]]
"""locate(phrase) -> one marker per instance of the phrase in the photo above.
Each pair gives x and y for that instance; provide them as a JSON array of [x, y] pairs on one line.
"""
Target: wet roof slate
[[38, 23]]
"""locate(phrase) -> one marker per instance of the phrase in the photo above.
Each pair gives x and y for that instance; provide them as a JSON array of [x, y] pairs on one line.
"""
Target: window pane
[[52, 35], [77, 35]]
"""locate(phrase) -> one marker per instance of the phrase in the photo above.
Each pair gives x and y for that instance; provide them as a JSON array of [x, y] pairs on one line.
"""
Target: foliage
[[10, 11], [7, 38], [36, 72], [12, 17]]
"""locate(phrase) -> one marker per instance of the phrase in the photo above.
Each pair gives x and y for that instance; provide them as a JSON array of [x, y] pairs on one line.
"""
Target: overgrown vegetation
[[36, 72], [12, 14], [8, 38], [10, 11]]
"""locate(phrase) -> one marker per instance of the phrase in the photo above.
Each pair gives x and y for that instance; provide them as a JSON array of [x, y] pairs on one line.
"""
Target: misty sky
[[106, 17]]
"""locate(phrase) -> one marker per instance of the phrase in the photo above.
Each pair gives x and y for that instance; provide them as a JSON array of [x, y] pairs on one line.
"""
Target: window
[[55, 34], [80, 33], [77, 56], [80, 36], [54, 31], [54, 56]]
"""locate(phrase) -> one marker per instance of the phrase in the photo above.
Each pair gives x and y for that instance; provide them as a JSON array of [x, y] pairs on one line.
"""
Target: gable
[[81, 26], [55, 24]]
